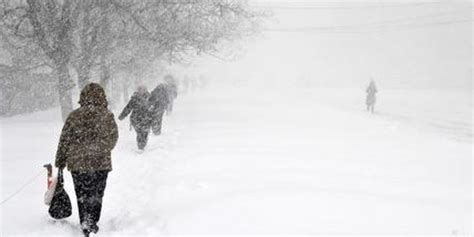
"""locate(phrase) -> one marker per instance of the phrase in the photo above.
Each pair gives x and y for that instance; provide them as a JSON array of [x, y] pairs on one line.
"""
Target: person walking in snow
[[172, 92], [159, 100], [87, 139], [370, 99], [140, 119]]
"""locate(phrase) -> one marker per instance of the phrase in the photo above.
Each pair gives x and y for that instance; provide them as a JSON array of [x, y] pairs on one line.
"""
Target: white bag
[[48, 196]]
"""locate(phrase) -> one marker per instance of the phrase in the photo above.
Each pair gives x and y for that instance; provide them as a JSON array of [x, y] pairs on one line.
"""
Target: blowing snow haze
[[401, 44], [236, 117]]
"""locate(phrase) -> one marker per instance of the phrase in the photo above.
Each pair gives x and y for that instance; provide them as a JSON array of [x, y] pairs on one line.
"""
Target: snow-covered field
[[238, 162]]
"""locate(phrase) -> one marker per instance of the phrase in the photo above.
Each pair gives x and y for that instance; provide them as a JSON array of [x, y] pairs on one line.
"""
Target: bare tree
[[103, 34], [47, 25]]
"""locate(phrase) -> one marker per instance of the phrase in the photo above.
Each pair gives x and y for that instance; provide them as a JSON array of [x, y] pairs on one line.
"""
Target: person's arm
[[111, 136], [64, 142], [128, 108], [152, 101]]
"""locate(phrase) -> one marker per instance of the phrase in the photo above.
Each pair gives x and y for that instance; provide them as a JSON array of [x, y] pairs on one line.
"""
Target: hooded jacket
[[89, 134], [159, 99], [139, 107]]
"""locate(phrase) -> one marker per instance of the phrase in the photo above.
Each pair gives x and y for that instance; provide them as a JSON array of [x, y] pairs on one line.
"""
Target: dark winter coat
[[371, 91], [159, 99], [89, 134], [139, 107]]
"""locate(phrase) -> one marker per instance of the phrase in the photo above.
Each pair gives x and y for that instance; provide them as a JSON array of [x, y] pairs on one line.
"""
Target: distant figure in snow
[[159, 100], [370, 99], [87, 139], [172, 92], [141, 117]]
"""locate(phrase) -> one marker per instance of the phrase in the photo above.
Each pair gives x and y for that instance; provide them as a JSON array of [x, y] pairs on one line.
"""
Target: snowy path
[[256, 165]]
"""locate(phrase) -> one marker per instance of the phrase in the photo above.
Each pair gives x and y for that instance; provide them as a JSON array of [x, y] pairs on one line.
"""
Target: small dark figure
[[370, 99], [140, 119], [159, 99], [87, 139], [172, 92]]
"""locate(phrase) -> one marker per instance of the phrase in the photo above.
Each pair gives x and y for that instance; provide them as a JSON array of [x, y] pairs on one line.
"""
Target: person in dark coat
[[370, 99], [140, 118], [87, 139], [159, 100], [172, 92]]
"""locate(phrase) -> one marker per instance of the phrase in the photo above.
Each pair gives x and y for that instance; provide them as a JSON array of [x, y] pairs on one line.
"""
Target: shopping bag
[[60, 206]]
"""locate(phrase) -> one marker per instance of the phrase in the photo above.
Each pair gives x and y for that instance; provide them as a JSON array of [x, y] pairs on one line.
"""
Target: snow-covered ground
[[240, 162]]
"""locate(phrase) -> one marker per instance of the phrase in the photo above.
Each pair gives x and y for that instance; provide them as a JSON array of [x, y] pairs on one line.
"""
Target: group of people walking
[[90, 133], [147, 109]]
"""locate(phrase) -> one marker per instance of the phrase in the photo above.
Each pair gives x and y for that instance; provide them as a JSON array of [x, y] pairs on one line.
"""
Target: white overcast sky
[[344, 43]]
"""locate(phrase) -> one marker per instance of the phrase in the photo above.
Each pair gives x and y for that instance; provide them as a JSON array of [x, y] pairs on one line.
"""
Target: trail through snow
[[269, 164]]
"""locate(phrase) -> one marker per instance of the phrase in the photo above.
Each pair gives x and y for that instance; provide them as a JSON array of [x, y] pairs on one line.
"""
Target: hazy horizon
[[343, 44]]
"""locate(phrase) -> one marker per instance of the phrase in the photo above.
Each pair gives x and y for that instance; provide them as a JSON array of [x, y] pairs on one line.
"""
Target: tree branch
[[39, 32]]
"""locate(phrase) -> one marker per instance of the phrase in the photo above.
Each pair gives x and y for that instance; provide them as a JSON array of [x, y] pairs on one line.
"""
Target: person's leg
[[80, 195], [160, 121], [145, 137], [154, 123], [100, 182], [84, 191], [142, 138], [157, 123], [373, 104]]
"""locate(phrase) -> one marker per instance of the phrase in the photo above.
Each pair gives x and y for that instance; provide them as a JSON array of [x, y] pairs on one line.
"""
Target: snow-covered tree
[[101, 35]]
